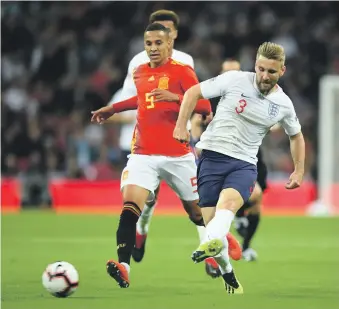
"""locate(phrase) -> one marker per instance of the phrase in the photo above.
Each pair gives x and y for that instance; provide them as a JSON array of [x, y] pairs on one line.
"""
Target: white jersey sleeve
[[129, 90], [183, 58], [290, 123], [116, 97], [189, 60], [217, 86]]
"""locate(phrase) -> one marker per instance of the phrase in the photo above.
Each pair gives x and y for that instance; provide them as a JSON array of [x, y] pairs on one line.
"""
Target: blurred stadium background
[[60, 60]]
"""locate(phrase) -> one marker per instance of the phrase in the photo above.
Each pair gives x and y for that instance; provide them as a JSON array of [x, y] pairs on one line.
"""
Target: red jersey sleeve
[[189, 79], [126, 105]]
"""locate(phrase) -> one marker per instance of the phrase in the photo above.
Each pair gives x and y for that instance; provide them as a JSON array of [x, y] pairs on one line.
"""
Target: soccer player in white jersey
[[250, 104], [248, 216]]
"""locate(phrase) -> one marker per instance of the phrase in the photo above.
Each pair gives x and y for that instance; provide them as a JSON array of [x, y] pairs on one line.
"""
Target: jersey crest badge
[[163, 83], [273, 110]]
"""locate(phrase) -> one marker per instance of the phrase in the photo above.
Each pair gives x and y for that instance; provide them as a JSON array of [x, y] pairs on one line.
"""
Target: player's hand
[[295, 180], [102, 114], [181, 134], [164, 95]]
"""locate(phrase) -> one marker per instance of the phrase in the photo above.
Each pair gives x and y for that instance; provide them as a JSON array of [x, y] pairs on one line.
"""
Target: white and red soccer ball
[[61, 279]]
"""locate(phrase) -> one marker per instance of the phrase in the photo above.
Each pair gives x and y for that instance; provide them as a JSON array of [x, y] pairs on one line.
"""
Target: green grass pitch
[[298, 264]]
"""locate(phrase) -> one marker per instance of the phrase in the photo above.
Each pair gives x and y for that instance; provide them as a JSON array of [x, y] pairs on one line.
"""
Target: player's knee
[[194, 212], [230, 199], [135, 194], [195, 216], [256, 195], [151, 202], [153, 198]]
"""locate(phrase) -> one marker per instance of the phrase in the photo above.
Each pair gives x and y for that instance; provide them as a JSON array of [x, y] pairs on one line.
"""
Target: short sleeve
[[218, 86], [190, 61], [290, 123], [188, 77], [129, 90]]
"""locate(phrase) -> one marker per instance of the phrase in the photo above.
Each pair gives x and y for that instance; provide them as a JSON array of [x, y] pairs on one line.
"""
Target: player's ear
[[169, 42], [174, 34], [283, 70]]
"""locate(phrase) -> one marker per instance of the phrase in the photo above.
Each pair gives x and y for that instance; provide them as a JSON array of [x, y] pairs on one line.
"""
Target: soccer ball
[[61, 279]]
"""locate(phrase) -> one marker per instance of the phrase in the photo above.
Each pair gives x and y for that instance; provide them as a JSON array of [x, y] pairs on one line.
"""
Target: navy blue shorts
[[217, 171]]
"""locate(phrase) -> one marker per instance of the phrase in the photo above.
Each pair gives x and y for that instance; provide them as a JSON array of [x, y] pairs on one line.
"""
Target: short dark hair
[[157, 27], [165, 15]]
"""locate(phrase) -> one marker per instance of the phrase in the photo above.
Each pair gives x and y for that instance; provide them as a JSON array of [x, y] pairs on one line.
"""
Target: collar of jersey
[[257, 89], [162, 66]]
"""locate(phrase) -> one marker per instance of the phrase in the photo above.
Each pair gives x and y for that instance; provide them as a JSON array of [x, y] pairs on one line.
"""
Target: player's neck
[[266, 93], [156, 65]]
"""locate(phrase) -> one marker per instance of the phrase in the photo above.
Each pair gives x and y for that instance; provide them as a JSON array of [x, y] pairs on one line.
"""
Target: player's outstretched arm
[[297, 145], [102, 114], [188, 104]]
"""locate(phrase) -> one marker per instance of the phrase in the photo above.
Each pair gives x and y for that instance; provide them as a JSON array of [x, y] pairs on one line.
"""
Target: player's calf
[[134, 197], [126, 231], [138, 251]]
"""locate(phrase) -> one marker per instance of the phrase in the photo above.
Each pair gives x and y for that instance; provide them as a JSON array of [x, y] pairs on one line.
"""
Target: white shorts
[[146, 171]]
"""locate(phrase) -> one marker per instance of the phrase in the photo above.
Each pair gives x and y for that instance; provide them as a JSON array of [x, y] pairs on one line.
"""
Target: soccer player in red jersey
[[155, 154]]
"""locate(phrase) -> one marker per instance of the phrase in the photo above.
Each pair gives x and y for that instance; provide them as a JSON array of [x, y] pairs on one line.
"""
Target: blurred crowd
[[60, 60]]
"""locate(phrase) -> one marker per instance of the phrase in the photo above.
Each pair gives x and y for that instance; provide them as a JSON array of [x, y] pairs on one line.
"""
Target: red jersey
[[153, 133]]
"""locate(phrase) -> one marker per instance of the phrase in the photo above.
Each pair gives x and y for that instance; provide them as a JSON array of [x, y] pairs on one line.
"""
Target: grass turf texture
[[298, 264]]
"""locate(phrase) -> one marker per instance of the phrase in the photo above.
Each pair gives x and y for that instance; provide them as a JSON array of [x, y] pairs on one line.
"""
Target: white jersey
[[244, 116]]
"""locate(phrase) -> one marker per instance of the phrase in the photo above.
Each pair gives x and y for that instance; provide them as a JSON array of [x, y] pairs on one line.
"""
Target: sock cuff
[[131, 206]]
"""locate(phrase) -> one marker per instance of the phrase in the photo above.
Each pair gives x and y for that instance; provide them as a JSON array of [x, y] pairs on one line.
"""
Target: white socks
[[145, 219], [220, 225], [202, 233], [218, 228], [223, 259]]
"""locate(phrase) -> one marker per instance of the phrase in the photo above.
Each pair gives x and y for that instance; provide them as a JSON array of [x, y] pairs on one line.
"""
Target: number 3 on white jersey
[[242, 104]]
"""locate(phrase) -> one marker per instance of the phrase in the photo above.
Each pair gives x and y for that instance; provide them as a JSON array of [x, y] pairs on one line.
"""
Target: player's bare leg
[[218, 222], [143, 226], [134, 198]]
